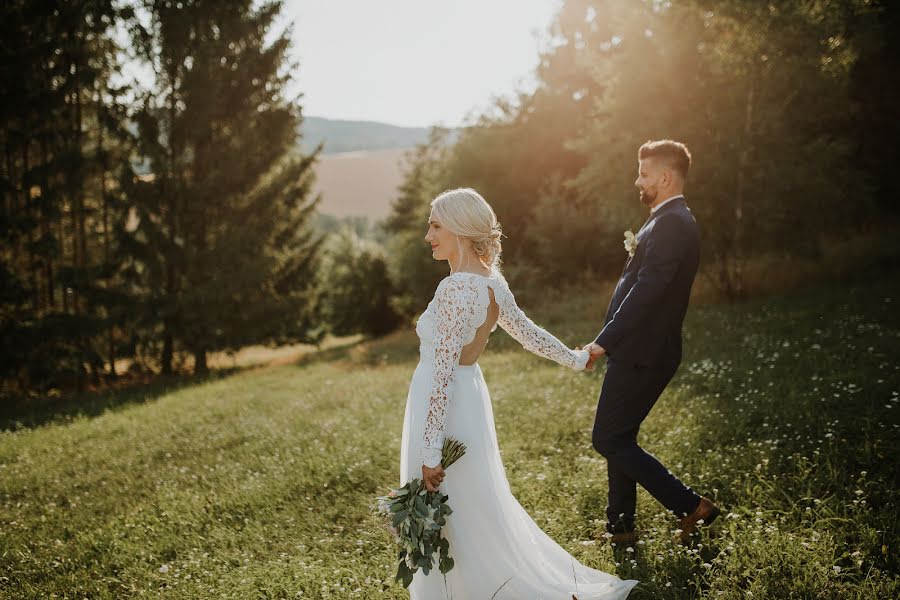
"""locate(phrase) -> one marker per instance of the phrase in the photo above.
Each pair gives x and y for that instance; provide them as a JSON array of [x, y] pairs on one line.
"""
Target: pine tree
[[61, 137], [223, 230]]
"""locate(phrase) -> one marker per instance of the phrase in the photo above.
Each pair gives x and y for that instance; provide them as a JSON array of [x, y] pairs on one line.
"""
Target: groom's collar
[[660, 206]]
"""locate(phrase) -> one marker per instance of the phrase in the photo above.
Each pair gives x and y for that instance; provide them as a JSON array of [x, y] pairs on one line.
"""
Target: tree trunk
[[13, 196], [200, 366], [101, 160], [739, 290], [7, 201], [61, 234], [80, 249], [171, 204], [29, 213], [46, 224], [167, 352]]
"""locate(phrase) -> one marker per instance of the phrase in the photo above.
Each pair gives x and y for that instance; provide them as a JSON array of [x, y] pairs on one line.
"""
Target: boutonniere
[[631, 243]]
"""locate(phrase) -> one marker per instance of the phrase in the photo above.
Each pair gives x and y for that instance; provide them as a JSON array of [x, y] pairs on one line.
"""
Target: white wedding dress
[[495, 544]]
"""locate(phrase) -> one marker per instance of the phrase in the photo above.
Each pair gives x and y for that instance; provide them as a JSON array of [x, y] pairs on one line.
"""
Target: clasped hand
[[433, 477], [595, 351]]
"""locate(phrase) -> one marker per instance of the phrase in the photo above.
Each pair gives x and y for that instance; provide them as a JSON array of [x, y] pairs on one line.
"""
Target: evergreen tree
[[412, 269], [62, 139], [223, 231]]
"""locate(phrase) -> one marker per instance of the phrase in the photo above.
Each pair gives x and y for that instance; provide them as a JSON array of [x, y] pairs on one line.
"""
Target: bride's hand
[[592, 357], [432, 477], [595, 352]]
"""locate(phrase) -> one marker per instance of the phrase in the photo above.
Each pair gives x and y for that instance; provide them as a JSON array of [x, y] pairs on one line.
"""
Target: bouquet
[[415, 517]]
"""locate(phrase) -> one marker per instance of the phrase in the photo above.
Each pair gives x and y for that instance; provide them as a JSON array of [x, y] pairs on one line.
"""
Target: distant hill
[[359, 170], [356, 136]]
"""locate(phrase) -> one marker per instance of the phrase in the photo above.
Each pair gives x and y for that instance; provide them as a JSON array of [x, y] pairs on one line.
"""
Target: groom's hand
[[596, 352], [432, 477]]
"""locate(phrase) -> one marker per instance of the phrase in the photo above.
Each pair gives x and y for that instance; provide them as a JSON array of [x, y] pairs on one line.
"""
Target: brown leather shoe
[[705, 513], [628, 538], [625, 538]]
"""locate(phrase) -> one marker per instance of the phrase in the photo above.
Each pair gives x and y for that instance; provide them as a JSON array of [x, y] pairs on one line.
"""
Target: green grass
[[257, 484]]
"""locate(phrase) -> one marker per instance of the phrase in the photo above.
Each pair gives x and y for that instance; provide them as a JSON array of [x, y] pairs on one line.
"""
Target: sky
[[413, 62]]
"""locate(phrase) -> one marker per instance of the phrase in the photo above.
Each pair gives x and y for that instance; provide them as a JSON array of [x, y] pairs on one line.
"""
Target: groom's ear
[[669, 177], [663, 176]]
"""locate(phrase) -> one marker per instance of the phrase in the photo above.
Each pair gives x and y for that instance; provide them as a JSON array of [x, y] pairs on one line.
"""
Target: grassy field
[[256, 483]]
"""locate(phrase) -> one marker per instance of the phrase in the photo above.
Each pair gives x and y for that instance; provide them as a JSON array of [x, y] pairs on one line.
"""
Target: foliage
[[758, 96], [326, 224], [355, 287], [228, 257], [563, 240], [208, 248], [412, 269], [768, 97], [63, 140]]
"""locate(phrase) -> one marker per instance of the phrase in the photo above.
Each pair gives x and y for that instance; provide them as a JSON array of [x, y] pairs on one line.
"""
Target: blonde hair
[[465, 213]]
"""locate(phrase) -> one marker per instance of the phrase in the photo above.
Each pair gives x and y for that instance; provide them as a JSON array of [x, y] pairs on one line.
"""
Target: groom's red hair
[[675, 154]]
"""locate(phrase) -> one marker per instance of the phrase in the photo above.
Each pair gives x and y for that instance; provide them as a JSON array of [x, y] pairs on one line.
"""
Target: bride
[[499, 551]]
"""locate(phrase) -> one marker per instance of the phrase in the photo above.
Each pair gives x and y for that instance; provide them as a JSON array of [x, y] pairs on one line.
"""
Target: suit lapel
[[668, 206]]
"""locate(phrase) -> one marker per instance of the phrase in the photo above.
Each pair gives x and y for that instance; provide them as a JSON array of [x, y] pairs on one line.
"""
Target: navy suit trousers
[[627, 395]]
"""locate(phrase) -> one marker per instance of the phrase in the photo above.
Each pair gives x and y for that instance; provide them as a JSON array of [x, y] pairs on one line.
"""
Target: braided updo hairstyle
[[465, 213]]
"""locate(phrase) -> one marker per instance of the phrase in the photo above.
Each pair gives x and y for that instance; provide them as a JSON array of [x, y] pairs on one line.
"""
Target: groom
[[641, 339]]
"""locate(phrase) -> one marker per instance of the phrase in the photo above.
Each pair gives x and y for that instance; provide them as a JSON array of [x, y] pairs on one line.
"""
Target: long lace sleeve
[[532, 337], [454, 310]]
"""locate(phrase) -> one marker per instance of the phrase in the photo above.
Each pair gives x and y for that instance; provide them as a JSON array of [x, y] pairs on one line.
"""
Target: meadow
[[257, 482]]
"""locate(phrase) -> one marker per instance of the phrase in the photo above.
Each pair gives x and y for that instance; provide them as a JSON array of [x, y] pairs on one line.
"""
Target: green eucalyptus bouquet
[[415, 516]]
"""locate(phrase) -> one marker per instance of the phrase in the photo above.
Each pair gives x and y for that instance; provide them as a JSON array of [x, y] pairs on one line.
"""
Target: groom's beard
[[647, 198]]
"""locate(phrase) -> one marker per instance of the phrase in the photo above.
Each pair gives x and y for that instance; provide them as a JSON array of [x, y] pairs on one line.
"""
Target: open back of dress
[[472, 351]]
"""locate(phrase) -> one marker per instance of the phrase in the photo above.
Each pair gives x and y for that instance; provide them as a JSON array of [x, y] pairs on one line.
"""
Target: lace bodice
[[459, 307]]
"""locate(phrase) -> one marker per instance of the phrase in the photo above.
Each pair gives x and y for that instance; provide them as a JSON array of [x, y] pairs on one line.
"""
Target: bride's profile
[[498, 549]]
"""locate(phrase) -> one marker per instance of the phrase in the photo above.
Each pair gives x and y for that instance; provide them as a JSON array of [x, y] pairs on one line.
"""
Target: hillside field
[[359, 184], [256, 483]]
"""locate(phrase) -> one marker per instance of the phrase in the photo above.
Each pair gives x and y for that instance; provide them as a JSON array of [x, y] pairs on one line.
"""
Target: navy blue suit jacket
[[643, 322]]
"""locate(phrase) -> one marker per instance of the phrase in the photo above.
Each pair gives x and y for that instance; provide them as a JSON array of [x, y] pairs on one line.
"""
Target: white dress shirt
[[657, 207]]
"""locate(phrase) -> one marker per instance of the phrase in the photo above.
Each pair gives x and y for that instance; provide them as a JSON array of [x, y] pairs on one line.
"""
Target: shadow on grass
[[18, 412], [395, 348]]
